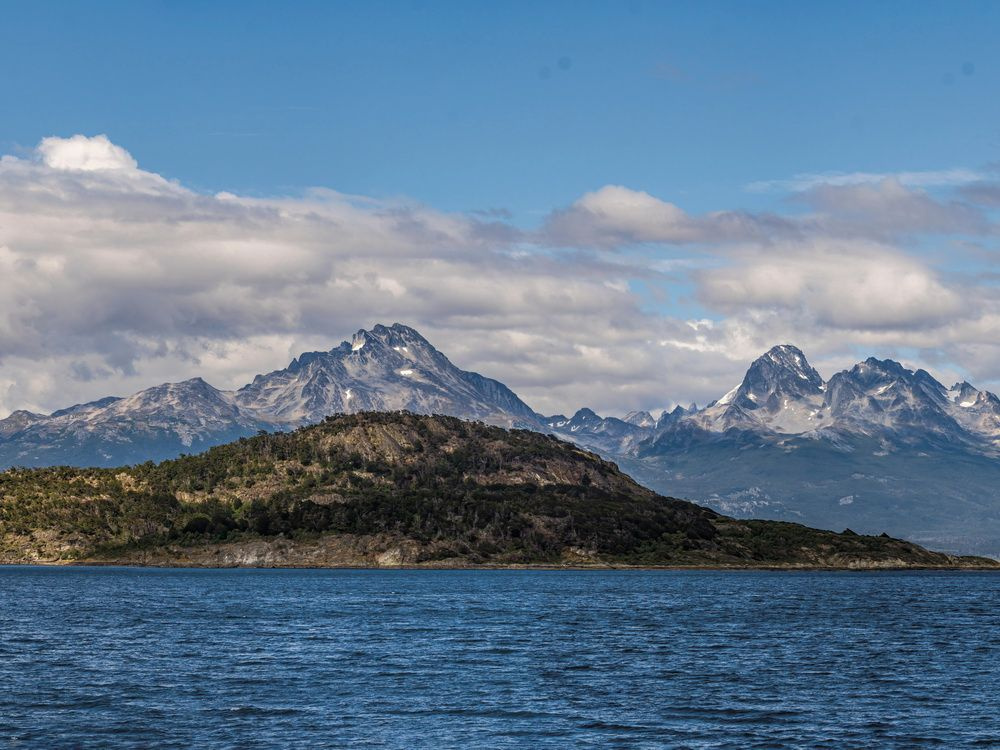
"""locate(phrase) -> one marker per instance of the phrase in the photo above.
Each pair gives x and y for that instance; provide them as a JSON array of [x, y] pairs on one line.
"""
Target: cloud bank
[[113, 278]]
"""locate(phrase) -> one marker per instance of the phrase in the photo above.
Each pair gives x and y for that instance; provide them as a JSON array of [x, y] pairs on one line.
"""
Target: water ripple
[[120, 658]]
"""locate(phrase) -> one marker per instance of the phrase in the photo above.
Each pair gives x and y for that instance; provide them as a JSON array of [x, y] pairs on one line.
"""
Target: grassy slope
[[374, 489]]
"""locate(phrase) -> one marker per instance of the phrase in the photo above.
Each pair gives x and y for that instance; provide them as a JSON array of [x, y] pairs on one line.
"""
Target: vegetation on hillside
[[451, 490]]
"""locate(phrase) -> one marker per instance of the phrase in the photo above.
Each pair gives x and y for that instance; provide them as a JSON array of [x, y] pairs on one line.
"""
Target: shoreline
[[790, 568]]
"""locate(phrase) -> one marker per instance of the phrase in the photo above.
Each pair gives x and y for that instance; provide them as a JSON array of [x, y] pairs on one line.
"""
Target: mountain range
[[875, 448], [389, 368]]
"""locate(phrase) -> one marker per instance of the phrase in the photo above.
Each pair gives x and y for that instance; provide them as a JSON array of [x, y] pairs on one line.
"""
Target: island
[[398, 489]]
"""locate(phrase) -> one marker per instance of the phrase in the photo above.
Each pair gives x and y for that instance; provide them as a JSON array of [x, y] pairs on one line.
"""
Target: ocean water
[[137, 658]]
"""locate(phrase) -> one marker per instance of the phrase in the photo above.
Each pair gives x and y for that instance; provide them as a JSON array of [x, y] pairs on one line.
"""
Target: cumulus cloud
[[113, 278], [889, 206], [83, 153], [837, 284], [615, 216]]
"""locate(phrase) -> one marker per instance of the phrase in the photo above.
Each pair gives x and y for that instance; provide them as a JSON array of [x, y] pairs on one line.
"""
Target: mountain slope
[[399, 488], [385, 369], [152, 425]]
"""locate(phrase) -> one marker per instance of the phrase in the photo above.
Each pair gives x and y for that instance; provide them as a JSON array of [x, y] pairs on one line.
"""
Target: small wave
[[262, 711]]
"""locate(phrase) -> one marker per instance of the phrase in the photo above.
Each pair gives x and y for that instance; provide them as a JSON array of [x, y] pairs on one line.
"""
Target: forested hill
[[398, 489]]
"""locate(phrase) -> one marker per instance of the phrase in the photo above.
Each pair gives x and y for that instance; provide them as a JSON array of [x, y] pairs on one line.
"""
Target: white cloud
[[83, 153], [615, 216], [840, 284]]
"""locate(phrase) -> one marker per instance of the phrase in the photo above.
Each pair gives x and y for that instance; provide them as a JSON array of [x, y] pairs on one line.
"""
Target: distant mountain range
[[875, 448]]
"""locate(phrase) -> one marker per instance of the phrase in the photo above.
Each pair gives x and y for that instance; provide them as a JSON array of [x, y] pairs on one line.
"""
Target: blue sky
[[613, 204], [521, 106]]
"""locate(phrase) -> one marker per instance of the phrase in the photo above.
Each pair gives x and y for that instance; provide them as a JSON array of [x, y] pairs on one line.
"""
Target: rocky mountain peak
[[187, 398], [784, 361], [877, 371], [359, 340], [585, 415], [967, 396], [398, 333], [387, 368], [24, 416], [782, 373], [889, 380], [787, 355], [396, 337], [89, 406], [781, 392], [608, 434], [304, 360], [884, 397], [640, 419], [17, 421], [675, 415]]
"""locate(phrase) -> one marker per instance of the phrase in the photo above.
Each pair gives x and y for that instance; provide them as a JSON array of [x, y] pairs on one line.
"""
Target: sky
[[605, 204]]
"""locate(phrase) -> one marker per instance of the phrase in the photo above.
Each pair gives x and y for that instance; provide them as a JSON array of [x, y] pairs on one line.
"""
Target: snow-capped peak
[[786, 358], [780, 391]]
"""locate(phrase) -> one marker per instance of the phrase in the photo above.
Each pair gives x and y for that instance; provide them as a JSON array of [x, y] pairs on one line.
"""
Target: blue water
[[130, 658]]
